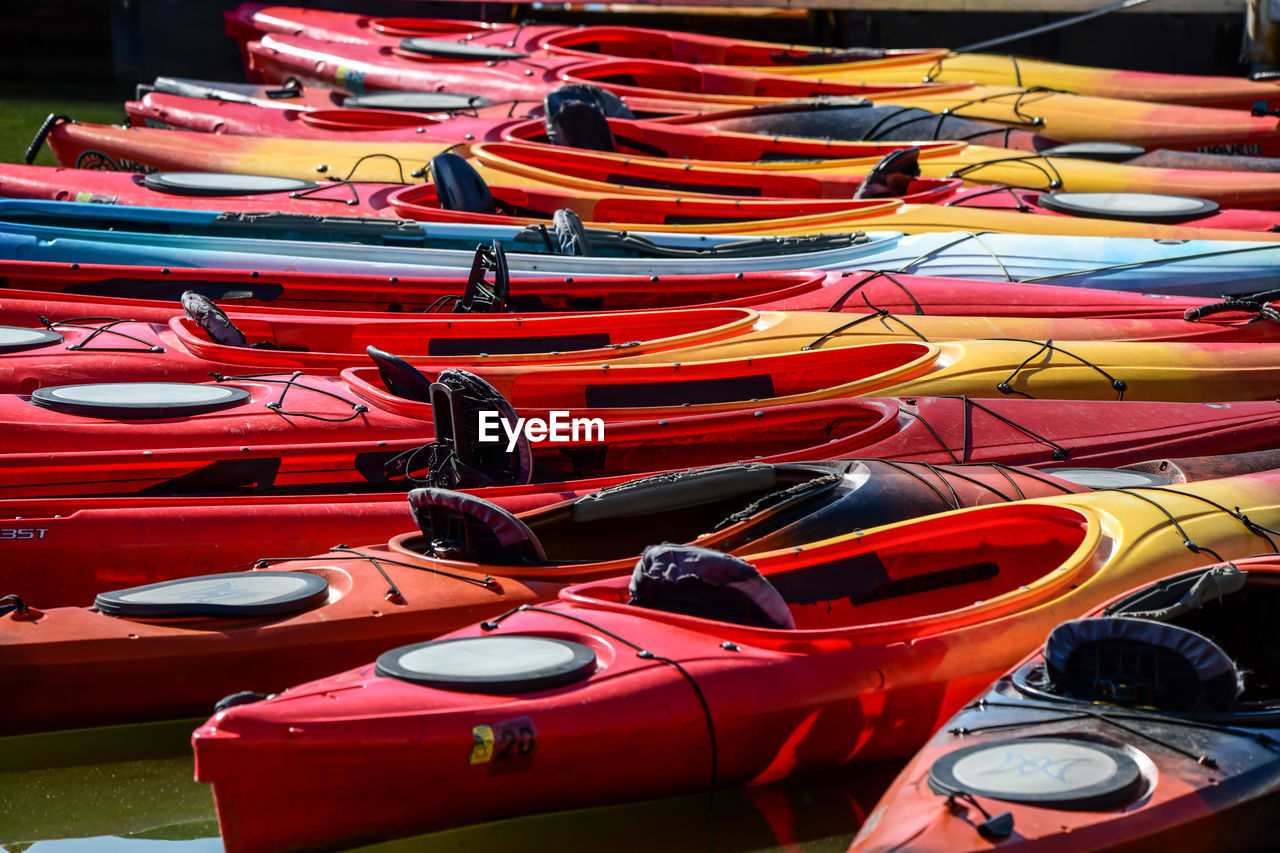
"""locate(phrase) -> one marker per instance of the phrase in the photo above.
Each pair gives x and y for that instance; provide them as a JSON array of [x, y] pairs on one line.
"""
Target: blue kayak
[[74, 232]]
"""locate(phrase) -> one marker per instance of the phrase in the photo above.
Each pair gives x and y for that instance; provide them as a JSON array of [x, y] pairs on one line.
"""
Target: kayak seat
[[1233, 608], [571, 235], [1140, 662], [609, 104], [458, 526], [459, 187], [471, 449], [400, 377], [202, 311], [892, 176], [577, 124], [707, 584]]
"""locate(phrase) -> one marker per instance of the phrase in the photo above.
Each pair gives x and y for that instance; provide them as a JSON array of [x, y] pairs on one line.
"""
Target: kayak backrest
[[459, 187], [892, 176], [708, 584], [1140, 662], [202, 311], [461, 527], [400, 377], [608, 103], [571, 236], [577, 123], [474, 426]]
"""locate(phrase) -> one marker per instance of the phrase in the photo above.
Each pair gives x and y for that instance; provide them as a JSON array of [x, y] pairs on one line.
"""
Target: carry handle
[[38, 140]]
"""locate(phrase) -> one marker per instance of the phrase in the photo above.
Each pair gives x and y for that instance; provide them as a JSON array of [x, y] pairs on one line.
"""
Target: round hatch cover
[[138, 399], [19, 338], [220, 183], [457, 50], [1107, 478], [417, 102], [1112, 152], [510, 664], [235, 594], [1139, 207], [1053, 773]]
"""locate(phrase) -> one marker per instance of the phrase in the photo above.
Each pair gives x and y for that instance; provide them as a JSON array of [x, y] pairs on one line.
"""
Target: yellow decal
[[481, 745], [84, 197]]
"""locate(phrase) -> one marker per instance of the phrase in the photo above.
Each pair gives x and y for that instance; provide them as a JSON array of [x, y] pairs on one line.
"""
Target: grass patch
[[20, 118]]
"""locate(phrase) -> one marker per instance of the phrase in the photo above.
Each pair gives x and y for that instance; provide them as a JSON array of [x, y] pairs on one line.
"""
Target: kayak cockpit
[[649, 173], [903, 580], [789, 377], [634, 76], [588, 337], [1189, 644], [641, 43], [709, 505]]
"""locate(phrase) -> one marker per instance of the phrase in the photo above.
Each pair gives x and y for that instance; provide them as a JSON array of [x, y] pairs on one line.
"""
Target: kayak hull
[[835, 694], [150, 294], [1017, 431], [68, 232], [251, 21], [221, 651], [1224, 799]]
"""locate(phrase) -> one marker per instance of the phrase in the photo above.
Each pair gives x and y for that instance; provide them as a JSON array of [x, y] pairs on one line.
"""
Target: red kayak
[[302, 120], [422, 585], [780, 197], [702, 669], [198, 191], [61, 291], [746, 507], [314, 113], [114, 542], [250, 21], [755, 194], [895, 178], [712, 342], [436, 107], [504, 75], [1093, 743], [316, 433], [500, 73], [191, 347], [127, 541]]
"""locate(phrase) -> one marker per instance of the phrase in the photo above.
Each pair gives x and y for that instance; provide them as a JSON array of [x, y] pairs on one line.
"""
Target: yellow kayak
[[149, 149], [692, 197], [822, 367]]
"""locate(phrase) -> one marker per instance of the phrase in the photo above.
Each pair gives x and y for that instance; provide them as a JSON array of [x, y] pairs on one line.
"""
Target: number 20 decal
[[23, 532], [504, 746]]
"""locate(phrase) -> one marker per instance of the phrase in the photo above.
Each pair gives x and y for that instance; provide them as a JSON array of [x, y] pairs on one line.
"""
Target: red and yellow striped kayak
[[252, 20], [148, 149]]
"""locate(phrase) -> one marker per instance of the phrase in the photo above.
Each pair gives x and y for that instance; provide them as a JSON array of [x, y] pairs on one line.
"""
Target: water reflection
[[129, 789]]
